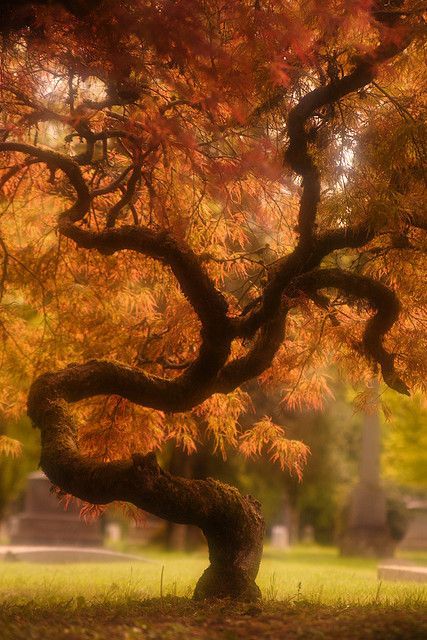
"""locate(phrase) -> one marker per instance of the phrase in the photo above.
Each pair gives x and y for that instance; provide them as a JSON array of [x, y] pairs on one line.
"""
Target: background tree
[[146, 148], [15, 467], [404, 451]]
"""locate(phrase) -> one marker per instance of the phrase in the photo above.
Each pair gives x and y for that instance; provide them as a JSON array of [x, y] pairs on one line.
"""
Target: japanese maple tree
[[205, 192]]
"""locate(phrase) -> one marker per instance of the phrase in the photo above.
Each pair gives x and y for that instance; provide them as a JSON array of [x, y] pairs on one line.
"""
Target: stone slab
[[398, 572], [64, 554]]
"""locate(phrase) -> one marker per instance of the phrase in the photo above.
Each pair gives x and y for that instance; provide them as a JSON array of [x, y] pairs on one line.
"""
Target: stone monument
[[279, 537], [44, 520], [366, 532]]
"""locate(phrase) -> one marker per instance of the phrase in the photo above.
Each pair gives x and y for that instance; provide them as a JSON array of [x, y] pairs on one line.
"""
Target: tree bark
[[235, 541], [232, 523]]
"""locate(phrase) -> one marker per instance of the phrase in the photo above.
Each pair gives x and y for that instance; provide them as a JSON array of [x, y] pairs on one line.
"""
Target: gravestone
[[44, 520], [367, 532], [62, 554], [402, 573], [416, 535], [279, 537], [307, 535]]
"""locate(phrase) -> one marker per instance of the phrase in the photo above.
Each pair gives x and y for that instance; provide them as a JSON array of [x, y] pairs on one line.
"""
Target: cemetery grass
[[308, 593]]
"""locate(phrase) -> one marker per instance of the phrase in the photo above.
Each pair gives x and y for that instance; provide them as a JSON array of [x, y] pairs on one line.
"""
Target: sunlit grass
[[302, 574]]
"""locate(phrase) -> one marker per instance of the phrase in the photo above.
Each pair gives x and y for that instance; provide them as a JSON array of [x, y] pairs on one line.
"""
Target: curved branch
[[210, 305], [129, 192], [297, 153], [302, 260], [259, 357], [311, 249], [345, 237], [104, 377], [380, 297], [113, 185], [83, 131], [139, 480], [58, 161]]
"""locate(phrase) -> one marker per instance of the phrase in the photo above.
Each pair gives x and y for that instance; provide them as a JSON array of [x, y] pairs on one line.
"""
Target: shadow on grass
[[173, 618]]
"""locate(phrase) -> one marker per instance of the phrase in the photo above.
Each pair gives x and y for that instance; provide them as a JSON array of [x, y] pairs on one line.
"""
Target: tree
[[230, 169], [14, 468], [404, 450]]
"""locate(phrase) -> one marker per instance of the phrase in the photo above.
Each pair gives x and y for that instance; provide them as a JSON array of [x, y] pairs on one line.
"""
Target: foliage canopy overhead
[[207, 192]]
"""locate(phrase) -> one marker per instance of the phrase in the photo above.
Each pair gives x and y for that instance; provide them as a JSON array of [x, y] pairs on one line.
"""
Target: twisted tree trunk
[[232, 523], [235, 539]]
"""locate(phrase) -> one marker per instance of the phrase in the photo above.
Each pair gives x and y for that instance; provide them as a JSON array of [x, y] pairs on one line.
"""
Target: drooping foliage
[[209, 191]]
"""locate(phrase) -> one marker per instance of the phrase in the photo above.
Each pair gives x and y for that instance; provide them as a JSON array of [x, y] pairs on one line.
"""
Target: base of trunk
[[222, 582], [235, 539]]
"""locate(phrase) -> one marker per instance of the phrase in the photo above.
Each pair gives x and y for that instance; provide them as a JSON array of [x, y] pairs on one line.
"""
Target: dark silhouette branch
[[380, 297], [312, 249], [127, 196], [111, 186], [58, 161]]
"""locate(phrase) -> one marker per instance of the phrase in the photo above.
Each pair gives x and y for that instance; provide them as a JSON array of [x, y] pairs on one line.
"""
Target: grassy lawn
[[308, 592]]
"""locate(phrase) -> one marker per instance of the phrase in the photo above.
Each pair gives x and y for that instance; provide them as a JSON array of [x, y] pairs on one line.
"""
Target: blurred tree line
[[14, 471]]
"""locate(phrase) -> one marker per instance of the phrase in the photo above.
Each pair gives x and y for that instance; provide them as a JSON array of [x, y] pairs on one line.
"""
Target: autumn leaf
[[264, 435], [10, 447]]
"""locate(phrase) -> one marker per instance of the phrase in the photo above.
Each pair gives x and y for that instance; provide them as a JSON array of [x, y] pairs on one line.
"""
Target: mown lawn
[[308, 593]]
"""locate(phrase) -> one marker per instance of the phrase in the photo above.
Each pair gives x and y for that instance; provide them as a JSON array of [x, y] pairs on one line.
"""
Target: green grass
[[306, 590], [311, 574]]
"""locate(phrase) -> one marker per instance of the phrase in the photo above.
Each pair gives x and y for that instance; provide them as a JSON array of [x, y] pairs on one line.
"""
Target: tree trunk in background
[[291, 517], [183, 537], [367, 532], [3, 492], [176, 535]]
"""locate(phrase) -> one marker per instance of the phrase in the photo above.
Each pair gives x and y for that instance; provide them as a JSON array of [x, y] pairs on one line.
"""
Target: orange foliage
[[194, 97]]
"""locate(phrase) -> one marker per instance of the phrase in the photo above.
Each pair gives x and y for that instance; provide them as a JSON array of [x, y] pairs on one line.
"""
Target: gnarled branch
[[380, 297]]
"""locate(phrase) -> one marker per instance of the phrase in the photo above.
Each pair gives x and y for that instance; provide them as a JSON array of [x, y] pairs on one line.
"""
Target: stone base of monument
[[54, 529], [64, 554], [403, 573], [368, 542], [416, 534], [367, 533]]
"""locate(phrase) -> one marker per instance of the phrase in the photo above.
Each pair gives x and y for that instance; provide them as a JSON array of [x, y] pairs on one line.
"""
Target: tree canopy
[[197, 193]]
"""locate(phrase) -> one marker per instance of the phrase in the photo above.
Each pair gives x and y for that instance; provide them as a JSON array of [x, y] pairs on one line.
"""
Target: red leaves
[[279, 73], [90, 512], [356, 6]]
